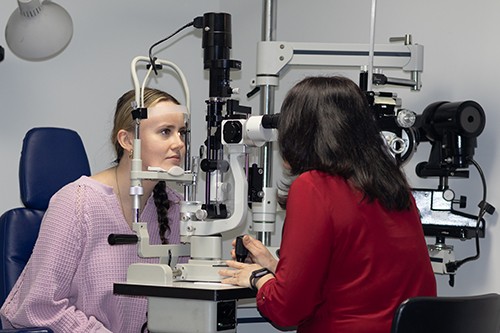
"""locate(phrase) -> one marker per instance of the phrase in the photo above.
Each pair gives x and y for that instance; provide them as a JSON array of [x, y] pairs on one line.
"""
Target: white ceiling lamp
[[38, 30]]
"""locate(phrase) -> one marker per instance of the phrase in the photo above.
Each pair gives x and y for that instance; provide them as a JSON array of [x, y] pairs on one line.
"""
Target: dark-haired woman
[[68, 283], [352, 246]]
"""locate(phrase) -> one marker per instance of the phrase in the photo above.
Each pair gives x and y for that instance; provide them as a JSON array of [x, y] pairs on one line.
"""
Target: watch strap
[[256, 275]]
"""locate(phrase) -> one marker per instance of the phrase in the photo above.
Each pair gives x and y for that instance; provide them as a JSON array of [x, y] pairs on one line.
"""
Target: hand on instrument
[[238, 273], [257, 253]]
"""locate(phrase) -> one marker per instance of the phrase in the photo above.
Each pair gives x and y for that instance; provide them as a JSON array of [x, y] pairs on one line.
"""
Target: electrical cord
[[484, 208], [197, 23]]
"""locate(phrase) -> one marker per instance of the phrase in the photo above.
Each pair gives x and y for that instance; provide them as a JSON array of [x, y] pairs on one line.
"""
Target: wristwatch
[[256, 275]]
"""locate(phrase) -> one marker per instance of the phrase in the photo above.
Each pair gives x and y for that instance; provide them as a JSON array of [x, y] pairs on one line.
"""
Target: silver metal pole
[[267, 95]]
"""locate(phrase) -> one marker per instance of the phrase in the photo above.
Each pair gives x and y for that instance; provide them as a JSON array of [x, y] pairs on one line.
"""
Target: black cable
[[151, 59], [453, 266]]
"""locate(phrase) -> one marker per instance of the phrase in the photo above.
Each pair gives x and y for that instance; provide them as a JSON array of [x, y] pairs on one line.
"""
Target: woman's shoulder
[[83, 186], [85, 202], [173, 195], [318, 179], [319, 184]]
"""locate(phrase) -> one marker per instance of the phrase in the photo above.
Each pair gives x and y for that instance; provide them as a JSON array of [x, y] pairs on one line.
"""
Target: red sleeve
[[305, 251]]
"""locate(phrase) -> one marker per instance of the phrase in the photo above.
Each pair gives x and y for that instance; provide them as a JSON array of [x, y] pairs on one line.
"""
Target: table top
[[208, 291]]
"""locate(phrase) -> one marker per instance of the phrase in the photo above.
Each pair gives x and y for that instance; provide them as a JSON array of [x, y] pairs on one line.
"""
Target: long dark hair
[[326, 125], [123, 120]]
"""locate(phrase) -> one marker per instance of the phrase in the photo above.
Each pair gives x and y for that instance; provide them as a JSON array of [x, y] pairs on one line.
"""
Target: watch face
[[261, 272], [257, 274]]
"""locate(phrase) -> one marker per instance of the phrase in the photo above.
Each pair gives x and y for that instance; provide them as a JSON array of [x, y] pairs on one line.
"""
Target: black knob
[[240, 250]]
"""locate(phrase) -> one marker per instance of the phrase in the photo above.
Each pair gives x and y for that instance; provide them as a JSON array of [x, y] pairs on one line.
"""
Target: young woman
[[68, 283], [352, 246]]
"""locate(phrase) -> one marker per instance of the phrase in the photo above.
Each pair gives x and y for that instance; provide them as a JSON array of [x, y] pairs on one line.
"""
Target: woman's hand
[[257, 253], [239, 274]]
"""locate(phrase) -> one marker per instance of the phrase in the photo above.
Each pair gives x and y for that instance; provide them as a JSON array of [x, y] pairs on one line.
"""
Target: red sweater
[[345, 264]]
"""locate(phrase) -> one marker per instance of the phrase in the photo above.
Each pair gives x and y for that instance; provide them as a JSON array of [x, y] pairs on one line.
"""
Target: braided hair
[[162, 204], [123, 120]]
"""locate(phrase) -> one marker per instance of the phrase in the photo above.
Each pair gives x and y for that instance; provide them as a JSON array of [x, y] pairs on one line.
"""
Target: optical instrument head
[[452, 128], [216, 43]]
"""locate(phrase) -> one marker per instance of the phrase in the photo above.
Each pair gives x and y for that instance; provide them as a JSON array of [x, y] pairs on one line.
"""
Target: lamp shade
[[38, 31]]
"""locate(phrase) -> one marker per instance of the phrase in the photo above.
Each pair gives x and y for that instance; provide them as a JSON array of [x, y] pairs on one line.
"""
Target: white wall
[[78, 88]]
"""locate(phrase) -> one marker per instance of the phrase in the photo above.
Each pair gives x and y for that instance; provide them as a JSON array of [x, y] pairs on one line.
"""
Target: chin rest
[[50, 158]]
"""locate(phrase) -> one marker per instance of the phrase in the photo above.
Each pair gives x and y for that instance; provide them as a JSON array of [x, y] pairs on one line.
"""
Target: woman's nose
[[179, 141]]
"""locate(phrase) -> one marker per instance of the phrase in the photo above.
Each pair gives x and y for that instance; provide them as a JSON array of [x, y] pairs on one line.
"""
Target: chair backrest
[[467, 314], [50, 158]]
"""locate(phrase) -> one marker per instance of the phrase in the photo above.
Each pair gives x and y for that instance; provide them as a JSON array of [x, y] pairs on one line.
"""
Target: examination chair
[[467, 314], [50, 158]]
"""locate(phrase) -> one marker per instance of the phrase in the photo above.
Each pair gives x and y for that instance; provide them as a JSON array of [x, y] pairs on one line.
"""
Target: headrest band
[[178, 108]]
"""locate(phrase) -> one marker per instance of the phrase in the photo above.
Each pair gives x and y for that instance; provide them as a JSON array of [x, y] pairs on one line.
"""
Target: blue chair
[[50, 158], [465, 314]]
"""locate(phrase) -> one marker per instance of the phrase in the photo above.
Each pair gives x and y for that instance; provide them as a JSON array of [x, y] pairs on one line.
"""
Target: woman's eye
[[166, 131]]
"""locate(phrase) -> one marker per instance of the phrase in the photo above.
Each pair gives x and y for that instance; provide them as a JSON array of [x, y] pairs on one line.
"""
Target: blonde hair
[[123, 120], [123, 113]]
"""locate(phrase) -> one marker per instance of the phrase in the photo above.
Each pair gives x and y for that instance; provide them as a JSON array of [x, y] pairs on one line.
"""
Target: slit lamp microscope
[[187, 297]]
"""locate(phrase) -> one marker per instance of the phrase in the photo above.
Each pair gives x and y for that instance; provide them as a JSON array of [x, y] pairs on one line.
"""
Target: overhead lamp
[[38, 30]]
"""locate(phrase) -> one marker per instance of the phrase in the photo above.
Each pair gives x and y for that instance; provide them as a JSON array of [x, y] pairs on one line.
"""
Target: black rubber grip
[[240, 250]]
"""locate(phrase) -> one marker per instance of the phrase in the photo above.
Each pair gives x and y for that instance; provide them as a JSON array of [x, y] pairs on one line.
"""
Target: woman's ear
[[124, 138]]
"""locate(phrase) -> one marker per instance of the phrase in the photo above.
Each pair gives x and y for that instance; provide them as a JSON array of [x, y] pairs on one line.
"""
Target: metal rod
[[267, 104], [268, 92], [372, 45]]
